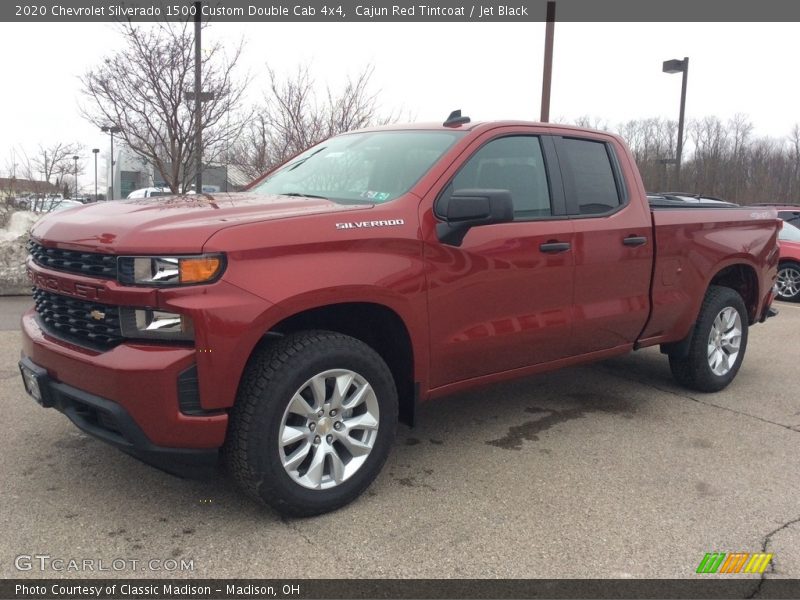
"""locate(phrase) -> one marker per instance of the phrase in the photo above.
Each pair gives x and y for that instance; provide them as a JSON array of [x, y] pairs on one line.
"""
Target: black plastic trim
[[109, 422], [554, 247]]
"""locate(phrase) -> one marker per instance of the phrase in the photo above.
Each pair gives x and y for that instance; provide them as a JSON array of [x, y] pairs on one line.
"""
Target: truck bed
[[693, 240]]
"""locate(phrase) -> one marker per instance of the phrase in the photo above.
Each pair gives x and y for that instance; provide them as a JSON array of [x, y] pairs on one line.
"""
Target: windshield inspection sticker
[[364, 224], [379, 196]]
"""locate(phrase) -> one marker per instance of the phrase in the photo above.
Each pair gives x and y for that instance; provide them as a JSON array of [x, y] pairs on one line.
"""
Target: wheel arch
[[375, 324], [740, 277], [743, 279]]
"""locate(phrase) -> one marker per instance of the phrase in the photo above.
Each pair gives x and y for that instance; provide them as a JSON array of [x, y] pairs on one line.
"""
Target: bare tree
[[794, 162], [30, 170], [592, 122], [292, 117], [53, 160], [10, 164], [142, 90], [720, 159]]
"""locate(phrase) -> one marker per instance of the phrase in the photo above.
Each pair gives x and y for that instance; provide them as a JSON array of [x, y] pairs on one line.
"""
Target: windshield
[[369, 167], [789, 233]]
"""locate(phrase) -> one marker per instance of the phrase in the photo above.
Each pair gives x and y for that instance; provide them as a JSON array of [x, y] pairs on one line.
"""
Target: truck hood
[[169, 224]]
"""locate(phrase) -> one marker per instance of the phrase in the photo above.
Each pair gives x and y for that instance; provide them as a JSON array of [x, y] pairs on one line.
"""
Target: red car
[[295, 323], [789, 266]]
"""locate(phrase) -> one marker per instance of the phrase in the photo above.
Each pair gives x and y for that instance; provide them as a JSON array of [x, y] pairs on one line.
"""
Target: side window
[[594, 185], [510, 163]]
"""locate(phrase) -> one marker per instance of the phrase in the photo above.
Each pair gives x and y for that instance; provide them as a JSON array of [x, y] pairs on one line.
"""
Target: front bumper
[[111, 423], [127, 396]]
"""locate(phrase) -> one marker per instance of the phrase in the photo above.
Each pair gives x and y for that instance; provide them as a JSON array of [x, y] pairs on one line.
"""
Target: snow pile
[[13, 251], [19, 223]]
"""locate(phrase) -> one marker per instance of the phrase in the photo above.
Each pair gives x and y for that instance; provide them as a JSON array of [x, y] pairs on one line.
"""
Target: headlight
[[149, 324], [169, 270]]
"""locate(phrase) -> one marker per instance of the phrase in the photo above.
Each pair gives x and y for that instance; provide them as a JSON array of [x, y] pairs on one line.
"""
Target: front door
[[503, 298]]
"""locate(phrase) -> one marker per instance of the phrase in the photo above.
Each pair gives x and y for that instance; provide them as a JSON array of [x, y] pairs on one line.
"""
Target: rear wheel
[[313, 423], [789, 281], [718, 343]]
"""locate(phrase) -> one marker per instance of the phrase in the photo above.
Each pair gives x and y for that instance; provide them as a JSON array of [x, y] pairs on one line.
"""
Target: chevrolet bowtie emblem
[[97, 315]]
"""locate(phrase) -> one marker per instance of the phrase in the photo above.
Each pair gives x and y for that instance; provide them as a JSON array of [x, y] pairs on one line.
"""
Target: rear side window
[[594, 185], [792, 217], [511, 163]]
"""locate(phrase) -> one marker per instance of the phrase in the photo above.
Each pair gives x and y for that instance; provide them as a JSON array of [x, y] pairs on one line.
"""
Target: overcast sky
[[489, 70]]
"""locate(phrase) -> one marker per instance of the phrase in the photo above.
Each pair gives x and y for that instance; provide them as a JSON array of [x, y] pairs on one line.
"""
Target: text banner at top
[[399, 11]]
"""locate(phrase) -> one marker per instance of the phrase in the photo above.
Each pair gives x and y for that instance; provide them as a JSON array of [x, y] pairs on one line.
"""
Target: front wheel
[[313, 422], [718, 343], [789, 281]]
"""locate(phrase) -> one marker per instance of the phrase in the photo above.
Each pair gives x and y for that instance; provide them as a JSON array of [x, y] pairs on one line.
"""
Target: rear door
[[613, 244], [502, 299]]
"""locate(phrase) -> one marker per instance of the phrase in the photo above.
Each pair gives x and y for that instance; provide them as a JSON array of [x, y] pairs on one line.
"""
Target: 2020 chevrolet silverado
[[289, 327]]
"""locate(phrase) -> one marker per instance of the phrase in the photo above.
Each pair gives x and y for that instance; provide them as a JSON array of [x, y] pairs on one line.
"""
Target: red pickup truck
[[288, 328]]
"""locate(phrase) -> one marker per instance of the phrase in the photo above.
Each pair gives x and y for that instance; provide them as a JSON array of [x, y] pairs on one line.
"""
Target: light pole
[[95, 151], [679, 66], [75, 158], [111, 130]]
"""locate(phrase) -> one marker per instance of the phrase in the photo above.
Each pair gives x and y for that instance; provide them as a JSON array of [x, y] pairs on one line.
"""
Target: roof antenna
[[455, 119]]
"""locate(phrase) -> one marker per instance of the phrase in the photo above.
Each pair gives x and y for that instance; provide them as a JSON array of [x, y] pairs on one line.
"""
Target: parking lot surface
[[607, 470]]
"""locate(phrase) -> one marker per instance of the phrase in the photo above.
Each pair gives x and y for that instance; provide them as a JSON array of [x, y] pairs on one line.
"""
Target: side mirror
[[464, 209]]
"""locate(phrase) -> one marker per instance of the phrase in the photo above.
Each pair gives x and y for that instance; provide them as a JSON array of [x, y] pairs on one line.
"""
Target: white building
[[132, 172]]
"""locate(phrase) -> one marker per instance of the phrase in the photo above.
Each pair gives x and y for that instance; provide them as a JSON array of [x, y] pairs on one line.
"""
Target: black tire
[[693, 370], [784, 268], [272, 377]]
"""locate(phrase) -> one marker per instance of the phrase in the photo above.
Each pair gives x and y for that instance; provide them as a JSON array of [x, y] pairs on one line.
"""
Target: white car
[[58, 205], [150, 192]]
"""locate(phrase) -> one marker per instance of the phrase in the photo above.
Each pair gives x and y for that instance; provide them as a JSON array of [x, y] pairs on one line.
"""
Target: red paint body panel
[[139, 377], [790, 251], [493, 308], [695, 245]]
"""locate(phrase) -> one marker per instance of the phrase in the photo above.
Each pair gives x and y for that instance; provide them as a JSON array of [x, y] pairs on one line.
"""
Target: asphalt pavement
[[11, 309], [608, 470]]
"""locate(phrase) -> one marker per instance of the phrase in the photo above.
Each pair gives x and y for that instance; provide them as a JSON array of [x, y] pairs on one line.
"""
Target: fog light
[[146, 323], [31, 385]]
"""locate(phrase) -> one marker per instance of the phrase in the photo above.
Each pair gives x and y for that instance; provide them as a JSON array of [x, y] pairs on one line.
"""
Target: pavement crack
[[293, 526], [764, 545], [687, 396]]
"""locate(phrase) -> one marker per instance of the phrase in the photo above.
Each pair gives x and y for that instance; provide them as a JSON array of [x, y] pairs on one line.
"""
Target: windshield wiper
[[294, 165], [299, 195]]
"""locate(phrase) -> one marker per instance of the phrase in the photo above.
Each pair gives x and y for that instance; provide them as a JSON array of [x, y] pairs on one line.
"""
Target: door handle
[[635, 240], [554, 247]]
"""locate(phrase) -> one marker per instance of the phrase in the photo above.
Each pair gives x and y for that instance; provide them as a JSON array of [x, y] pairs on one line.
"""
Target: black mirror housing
[[467, 208]]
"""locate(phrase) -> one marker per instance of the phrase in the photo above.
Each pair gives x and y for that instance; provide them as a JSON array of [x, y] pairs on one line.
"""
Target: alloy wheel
[[788, 282], [724, 341], [328, 429]]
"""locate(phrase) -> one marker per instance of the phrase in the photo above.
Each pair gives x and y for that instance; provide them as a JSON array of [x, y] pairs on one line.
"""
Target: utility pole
[[547, 71], [197, 100]]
